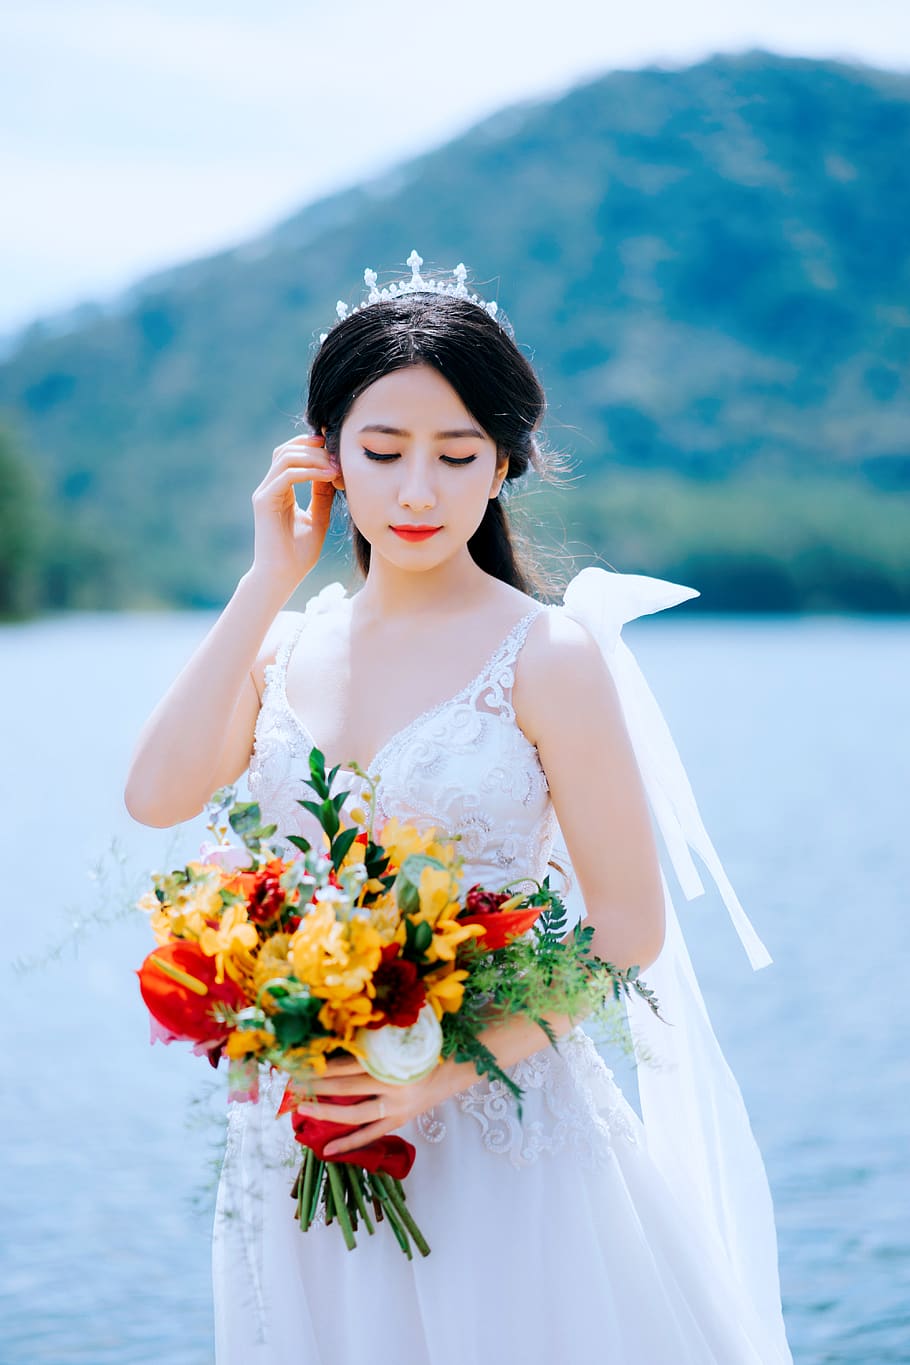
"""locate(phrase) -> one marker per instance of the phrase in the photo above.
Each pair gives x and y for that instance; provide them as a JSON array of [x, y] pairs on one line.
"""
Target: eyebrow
[[438, 436]]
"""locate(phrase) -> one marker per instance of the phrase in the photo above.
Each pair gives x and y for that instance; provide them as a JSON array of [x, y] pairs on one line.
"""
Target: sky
[[138, 134]]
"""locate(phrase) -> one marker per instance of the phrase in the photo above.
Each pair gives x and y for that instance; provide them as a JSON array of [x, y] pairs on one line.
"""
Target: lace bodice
[[462, 766]]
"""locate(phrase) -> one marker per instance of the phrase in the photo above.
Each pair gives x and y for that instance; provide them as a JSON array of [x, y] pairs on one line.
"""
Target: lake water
[[796, 738]]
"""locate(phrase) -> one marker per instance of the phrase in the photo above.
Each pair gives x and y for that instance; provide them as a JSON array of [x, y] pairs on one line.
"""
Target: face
[[436, 468]]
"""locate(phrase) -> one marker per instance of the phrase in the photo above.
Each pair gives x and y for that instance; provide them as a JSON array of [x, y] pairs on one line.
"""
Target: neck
[[391, 592]]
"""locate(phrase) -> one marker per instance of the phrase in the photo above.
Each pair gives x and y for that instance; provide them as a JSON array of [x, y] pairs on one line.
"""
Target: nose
[[415, 490]]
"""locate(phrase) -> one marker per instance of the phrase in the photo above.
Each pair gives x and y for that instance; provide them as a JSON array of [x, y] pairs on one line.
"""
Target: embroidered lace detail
[[570, 1101], [492, 686]]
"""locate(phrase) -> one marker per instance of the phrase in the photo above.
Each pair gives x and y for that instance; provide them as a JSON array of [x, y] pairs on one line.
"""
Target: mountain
[[709, 268]]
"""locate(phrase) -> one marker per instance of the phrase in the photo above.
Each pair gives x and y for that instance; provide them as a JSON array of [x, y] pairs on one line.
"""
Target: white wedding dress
[[558, 1239]]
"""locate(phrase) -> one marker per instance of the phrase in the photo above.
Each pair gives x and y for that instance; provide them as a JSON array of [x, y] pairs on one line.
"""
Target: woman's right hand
[[288, 538]]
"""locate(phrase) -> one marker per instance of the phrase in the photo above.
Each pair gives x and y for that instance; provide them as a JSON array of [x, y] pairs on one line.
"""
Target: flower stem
[[356, 1175], [341, 1208], [318, 1169], [391, 1216], [396, 1198], [306, 1190]]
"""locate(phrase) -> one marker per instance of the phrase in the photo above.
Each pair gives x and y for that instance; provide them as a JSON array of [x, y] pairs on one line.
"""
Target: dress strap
[[288, 641], [493, 685]]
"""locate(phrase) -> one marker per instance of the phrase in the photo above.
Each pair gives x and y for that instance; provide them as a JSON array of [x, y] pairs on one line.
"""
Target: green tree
[[21, 531]]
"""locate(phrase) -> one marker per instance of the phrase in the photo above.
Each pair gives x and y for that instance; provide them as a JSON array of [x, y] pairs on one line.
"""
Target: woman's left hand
[[381, 1107]]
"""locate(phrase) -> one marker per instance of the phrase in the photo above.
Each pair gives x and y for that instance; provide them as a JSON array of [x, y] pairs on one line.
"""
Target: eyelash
[[449, 459]]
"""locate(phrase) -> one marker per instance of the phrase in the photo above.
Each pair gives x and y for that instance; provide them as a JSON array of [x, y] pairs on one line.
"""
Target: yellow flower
[[187, 906], [272, 963], [447, 934], [233, 933], [335, 958], [301, 1062], [400, 840], [385, 917], [445, 989], [343, 1017], [204, 894], [161, 925], [318, 938], [246, 1042], [436, 893]]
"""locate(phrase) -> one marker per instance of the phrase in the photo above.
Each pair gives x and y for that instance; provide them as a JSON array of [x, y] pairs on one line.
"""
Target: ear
[[502, 468], [338, 481]]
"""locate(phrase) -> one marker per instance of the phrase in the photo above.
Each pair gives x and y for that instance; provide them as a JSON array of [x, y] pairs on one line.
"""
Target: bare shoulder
[[560, 666], [283, 624]]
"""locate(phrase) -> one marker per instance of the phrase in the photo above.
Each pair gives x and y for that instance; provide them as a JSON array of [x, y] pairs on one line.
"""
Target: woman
[[582, 1232]]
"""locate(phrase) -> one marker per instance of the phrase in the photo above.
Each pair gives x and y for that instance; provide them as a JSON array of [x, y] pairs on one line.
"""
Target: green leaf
[[245, 817], [295, 1022], [342, 844], [299, 842], [423, 936], [314, 807]]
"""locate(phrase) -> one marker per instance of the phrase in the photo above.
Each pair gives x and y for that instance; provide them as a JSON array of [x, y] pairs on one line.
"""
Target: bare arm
[[200, 735], [570, 708]]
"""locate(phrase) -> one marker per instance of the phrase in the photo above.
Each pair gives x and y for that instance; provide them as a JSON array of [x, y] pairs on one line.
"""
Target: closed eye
[[449, 459]]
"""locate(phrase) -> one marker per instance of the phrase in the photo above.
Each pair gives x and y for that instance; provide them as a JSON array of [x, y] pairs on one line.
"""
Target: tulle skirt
[[552, 1239]]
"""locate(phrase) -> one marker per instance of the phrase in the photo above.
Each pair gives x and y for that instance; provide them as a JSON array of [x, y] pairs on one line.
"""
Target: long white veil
[[696, 1125]]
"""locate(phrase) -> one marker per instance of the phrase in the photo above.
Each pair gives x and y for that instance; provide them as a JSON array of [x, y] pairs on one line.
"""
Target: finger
[[360, 1113], [367, 1111], [299, 442], [351, 1141], [360, 1084], [280, 480], [305, 457]]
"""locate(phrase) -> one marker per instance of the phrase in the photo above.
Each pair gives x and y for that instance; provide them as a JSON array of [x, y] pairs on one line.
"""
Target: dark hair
[[478, 356]]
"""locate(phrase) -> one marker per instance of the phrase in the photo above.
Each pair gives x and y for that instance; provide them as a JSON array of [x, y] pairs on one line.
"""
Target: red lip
[[415, 532]]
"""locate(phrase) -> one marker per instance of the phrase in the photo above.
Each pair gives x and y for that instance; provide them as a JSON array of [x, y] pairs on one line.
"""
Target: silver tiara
[[415, 285]]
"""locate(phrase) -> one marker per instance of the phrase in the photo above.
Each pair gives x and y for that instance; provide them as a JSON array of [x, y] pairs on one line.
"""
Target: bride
[[582, 1232]]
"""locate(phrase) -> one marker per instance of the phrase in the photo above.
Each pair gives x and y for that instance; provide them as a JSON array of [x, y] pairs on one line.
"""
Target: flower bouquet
[[366, 947]]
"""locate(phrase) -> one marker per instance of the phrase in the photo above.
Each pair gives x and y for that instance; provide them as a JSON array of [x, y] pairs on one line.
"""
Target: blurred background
[[696, 222]]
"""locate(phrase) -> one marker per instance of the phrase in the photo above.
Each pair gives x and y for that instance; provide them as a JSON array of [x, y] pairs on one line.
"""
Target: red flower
[[480, 902], [391, 1155], [266, 897], [500, 926], [184, 1009], [400, 993]]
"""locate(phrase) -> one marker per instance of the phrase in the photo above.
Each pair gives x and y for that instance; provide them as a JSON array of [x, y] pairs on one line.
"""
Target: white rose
[[402, 1055]]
